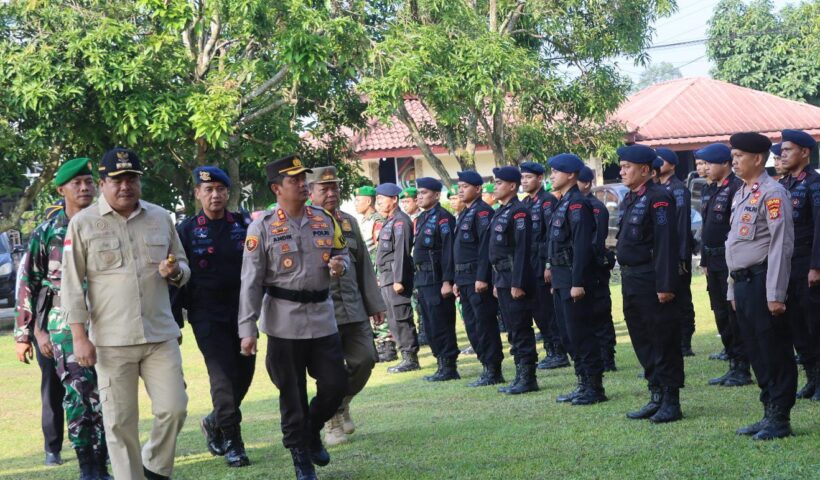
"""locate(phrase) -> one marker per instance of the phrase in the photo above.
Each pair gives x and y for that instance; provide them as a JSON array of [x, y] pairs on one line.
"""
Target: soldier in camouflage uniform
[[40, 286], [370, 222]]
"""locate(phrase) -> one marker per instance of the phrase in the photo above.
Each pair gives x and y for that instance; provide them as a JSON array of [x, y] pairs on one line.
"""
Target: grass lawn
[[409, 429]]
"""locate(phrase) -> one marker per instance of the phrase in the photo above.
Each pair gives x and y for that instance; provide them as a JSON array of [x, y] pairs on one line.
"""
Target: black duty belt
[[502, 266], [562, 258], [635, 269], [716, 251], [425, 267], [299, 296], [746, 274], [465, 267]]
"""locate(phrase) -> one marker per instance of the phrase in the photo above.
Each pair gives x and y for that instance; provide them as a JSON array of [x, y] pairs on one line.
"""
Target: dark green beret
[[366, 191], [409, 192], [71, 169]]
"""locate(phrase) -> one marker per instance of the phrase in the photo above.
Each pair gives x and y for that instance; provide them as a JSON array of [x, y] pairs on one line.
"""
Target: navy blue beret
[[566, 162], [715, 153], [637, 154], [657, 163], [668, 155], [750, 142], [799, 137], [776, 149], [586, 175], [507, 174], [429, 183], [532, 167], [472, 177], [388, 190], [211, 174]]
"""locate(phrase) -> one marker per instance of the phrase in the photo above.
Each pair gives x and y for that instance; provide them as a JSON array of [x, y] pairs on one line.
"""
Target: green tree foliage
[[657, 73], [528, 78], [183, 82], [777, 52]]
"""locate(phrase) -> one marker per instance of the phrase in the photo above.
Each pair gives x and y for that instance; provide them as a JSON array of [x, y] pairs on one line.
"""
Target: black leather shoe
[[318, 452], [758, 425], [592, 391], [213, 436], [568, 397], [655, 397], [670, 407], [778, 425], [53, 459], [302, 464], [235, 455], [409, 362], [527, 382], [149, 475]]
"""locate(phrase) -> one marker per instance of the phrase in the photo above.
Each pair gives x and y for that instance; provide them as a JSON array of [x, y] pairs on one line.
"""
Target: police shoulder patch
[[773, 207], [251, 243]]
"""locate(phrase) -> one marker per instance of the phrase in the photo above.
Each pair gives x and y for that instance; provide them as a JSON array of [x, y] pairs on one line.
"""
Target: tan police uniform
[[286, 288], [758, 253], [131, 325]]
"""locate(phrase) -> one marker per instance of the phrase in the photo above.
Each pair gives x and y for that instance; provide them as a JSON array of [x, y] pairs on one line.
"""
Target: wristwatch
[[177, 277]]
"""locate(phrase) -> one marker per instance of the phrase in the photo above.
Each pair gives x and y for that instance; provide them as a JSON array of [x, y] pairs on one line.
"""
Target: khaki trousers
[[118, 369]]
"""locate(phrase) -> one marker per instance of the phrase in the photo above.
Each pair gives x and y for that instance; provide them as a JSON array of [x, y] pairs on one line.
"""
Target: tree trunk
[[435, 162], [236, 183], [24, 202]]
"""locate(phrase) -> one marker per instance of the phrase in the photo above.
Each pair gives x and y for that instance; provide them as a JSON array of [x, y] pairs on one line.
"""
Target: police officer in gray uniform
[[758, 253], [356, 298], [291, 254], [395, 266]]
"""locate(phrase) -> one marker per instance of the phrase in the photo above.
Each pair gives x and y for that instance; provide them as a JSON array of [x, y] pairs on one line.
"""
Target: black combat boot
[[527, 382], [481, 381], [719, 356], [213, 435], [568, 397], [670, 407], [514, 383], [593, 391], [810, 387], [302, 464], [88, 468], [409, 362], [494, 375], [686, 350], [758, 425], [435, 376], [548, 359], [101, 462], [389, 354], [778, 426], [379, 352], [739, 374], [318, 452], [816, 396], [719, 380], [560, 359], [608, 355], [149, 475], [235, 455], [449, 371], [655, 397]]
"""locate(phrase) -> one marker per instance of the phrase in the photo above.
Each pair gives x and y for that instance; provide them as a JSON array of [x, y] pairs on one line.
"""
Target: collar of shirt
[[105, 208]]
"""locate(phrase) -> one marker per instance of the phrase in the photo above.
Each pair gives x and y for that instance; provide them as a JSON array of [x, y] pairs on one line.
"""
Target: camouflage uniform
[[42, 270]]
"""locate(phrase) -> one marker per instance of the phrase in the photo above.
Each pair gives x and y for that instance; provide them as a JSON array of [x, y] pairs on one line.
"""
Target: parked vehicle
[[612, 195], [8, 270]]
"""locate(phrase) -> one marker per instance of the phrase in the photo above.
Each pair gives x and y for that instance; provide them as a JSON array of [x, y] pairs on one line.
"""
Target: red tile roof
[[690, 112], [682, 114]]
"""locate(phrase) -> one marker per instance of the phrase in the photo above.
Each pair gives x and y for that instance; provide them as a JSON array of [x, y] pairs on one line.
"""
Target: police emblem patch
[[326, 257], [287, 262], [251, 243], [773, 206]]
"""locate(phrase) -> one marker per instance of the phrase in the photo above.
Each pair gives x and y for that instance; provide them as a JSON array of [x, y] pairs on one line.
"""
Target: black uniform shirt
[[509, 247], [683, 218], [717, 210], [472, 226], [541, 207], [433, 250], [570, 241], [647, 236], [214, 249], [805, 193]]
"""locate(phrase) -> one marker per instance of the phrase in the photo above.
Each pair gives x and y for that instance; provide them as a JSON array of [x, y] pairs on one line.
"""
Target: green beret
[[488, 188], [409, 192], [71, 169], [452, 191], [365, 191]]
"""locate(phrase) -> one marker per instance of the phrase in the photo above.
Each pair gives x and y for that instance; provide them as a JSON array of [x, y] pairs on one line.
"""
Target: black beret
[[751, 142]]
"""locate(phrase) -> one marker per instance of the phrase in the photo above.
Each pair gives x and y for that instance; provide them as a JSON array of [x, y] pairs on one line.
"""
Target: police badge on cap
[[118, 161]]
